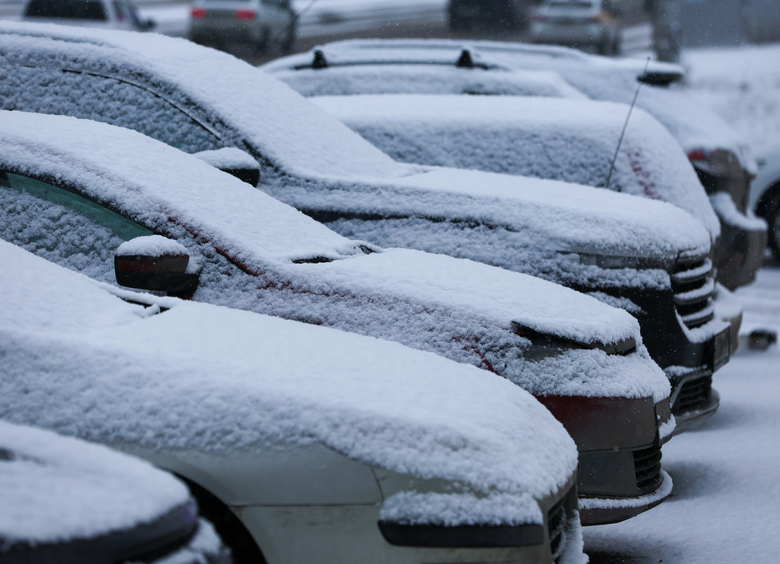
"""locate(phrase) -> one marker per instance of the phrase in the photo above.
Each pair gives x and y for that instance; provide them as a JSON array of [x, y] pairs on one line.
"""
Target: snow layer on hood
[[58, 488], [194, 377], [246, 243], [567, 217], [570, 140], [419, 79], [288, 130]]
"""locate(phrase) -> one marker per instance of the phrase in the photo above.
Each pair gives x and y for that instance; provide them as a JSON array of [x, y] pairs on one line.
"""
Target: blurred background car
[[260, 24], [764, 197], [577, 23], [66, 500], [465, 15], [114, 14], [317, 445]]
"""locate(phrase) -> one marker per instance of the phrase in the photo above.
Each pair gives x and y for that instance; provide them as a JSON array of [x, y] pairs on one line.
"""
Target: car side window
[[55, 91], [63, 227]]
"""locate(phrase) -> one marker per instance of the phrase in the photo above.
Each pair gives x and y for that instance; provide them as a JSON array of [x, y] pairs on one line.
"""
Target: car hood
[[553, 215], [56, 489], [571, 140], [194, 377]]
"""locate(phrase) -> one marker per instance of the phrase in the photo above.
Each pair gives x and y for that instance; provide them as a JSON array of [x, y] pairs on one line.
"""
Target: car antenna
[[625, 126], [465, 61]]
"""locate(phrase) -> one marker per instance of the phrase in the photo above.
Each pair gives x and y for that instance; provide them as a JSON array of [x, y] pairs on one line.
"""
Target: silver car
[[577, 23], [258, 23]]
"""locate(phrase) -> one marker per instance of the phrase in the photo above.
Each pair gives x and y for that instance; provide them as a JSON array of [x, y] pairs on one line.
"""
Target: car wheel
[[772, 216]]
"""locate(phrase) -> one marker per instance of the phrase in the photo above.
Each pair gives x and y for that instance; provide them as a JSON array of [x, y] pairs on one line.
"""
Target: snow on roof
[[289, 131], [393, 294], [571, 140], [58, 488], [195, 378]]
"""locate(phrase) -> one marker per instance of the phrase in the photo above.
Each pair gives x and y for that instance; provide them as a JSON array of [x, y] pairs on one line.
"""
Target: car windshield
[[67, 9]]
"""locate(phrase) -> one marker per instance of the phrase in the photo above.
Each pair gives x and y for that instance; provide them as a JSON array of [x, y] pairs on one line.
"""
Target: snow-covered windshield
[[276, 122]]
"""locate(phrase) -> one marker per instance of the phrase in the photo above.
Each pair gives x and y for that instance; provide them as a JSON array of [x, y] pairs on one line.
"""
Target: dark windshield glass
[[69, 9]]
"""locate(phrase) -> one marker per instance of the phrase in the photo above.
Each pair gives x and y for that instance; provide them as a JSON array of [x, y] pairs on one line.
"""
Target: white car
[[85, 205], [302, 443], [577, 23], [113, 14], [66, 500]]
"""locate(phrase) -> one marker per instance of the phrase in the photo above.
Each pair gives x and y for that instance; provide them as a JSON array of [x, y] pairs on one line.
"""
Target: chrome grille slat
[[693, 286], [693, 393]]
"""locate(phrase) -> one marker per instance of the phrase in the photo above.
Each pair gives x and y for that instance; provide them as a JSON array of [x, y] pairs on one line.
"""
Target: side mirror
[[155, 263], [233, 161]]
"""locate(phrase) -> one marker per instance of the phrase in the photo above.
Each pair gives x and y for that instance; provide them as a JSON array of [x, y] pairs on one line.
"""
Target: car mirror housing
[[157, 264]]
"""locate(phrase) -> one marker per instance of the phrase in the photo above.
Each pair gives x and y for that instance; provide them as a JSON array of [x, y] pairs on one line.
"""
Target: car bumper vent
[[693, 285], [556, 527], [693, 394], [647, 466]]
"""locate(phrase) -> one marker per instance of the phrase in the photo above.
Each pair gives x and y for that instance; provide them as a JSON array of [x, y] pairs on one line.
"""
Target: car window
[[55, 91], [63, 227], [68, 9]]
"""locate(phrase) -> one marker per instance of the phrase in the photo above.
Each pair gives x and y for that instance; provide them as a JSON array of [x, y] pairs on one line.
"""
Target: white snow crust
[[662, 492], [59, 488], [569, 140], [194, 377], [246, 243], [228, 158], [151, 246]]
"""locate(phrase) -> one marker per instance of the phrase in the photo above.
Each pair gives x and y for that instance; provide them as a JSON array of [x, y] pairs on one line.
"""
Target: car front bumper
[[739, 253]]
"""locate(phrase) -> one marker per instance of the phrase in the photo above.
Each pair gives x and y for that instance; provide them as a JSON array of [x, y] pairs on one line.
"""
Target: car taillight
[[198, 13], [244, 14], [697, 155]]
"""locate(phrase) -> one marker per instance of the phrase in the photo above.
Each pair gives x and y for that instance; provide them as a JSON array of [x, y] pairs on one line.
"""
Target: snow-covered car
[[318, 445], [558, 139], [114, 14], [577, 23], [91, 207], [258, 23], [722, 159], [198, 100], [66, 500], [764, 197]]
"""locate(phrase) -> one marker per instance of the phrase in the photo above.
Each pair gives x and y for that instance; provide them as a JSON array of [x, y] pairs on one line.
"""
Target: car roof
[[279, 125], [207, 378]]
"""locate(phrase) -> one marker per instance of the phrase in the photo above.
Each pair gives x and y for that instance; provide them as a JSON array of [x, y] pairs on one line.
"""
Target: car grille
[[556, 528], [693, 393], [693, 285], [647, 466]]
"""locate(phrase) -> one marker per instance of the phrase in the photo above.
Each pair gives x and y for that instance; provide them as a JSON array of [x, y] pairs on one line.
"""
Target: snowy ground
[[726, 486]]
